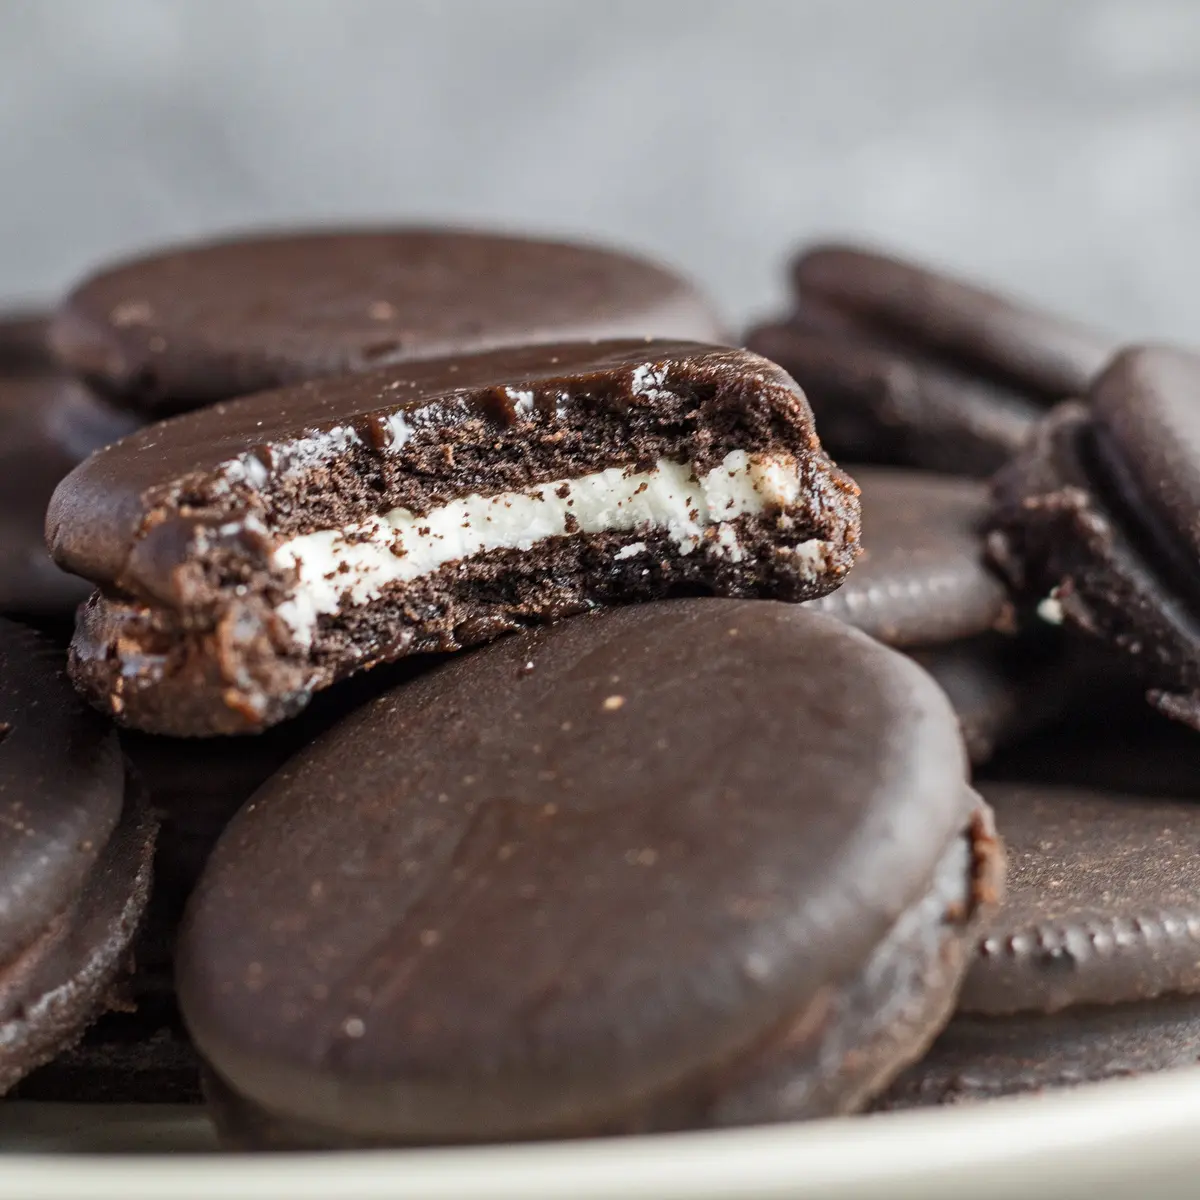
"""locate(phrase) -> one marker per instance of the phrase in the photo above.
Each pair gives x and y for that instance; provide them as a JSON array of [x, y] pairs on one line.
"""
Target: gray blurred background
[[1053, 145]]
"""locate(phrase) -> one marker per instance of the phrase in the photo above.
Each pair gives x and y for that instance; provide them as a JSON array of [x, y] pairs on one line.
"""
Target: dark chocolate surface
[[587, 879], [880, 402], [72, 971], [192, 325], [24, 348], [1121, 746], [178, 522], [1146, 421], [1009, 340], [980, 1058], [1004, 688], [1102, 906]]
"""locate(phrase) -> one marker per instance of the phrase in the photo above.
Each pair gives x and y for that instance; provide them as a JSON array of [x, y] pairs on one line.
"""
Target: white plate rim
[[1122, 1132]]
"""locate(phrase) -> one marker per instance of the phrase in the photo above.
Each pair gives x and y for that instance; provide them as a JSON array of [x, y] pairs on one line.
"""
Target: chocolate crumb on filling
[[448, 519]]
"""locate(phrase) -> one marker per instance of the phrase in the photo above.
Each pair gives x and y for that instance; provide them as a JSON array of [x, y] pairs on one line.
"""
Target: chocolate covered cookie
[[74, 858], [1095, 521], [196, 324], [251, 553], [685, 864], [906, 365], [1089, 968]]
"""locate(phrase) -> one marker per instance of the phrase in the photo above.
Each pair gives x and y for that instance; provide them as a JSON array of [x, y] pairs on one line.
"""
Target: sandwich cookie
[[192, 325], [921, 584], [1089, 969], [1095, 521], [908, 366], [47, 424], [249, 554], [75, 857], [686, 864]]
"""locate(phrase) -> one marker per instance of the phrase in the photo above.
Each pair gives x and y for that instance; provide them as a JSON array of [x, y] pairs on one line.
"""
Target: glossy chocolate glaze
[[1006, 339], [623, 872], [196, 324], [177, 523]]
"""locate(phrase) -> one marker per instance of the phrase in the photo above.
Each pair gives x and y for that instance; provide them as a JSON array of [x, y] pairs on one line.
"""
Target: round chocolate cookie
[[1097, 518], [687, 864], [74, 858], [881, 402], [249, 554], [194, 786], [192, 325], [908, 366], [1036, 351], [1089, 968]]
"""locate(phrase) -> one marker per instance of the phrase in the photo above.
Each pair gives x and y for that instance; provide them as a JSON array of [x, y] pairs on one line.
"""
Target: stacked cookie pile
[[544, 736]]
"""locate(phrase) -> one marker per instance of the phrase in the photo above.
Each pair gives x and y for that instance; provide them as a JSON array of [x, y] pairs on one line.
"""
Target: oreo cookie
[[250, 554], [686, 864], [193, 325]]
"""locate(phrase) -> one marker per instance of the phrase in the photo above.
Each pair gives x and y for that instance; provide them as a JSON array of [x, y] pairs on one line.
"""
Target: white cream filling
[[1050, 610], [339, 568]]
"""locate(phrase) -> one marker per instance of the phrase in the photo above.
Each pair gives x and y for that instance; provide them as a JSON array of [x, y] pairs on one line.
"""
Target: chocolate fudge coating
[[1008, 340], [690, 863], [981, 1058], [192, 325], [894, 404], [907, 366], [177, 523], [24, 344]]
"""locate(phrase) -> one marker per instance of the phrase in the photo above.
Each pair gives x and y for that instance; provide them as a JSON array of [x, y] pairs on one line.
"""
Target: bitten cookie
[[249, 554]]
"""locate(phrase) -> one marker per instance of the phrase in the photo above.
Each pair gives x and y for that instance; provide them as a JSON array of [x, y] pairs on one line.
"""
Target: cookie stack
[[584, 751]]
